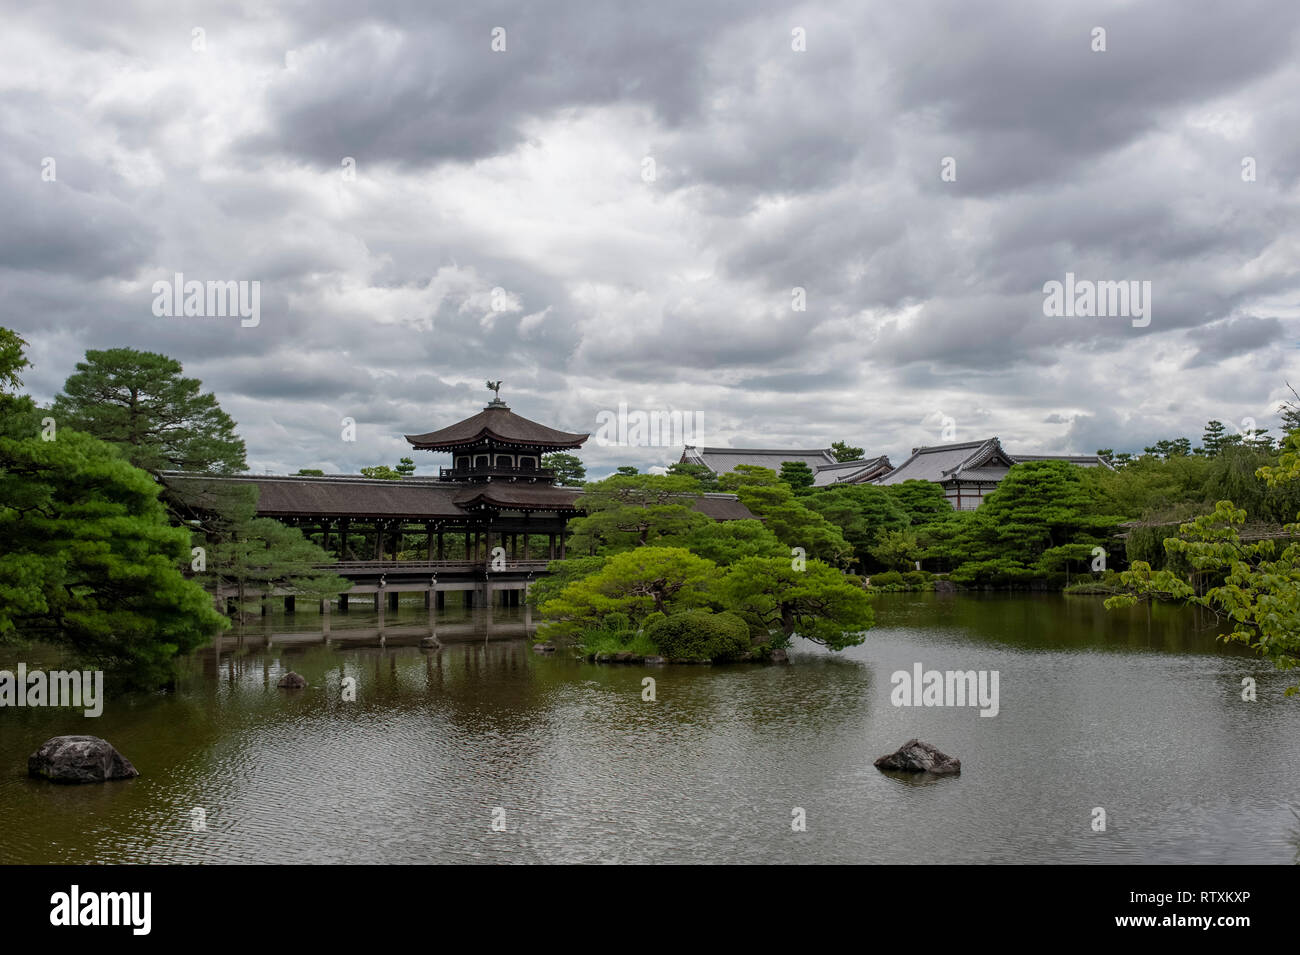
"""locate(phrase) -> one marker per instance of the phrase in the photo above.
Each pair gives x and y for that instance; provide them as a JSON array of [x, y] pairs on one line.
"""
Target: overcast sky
[[646, 188]]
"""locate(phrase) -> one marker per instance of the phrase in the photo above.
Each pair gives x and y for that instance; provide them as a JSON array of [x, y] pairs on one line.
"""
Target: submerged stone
[[292, 681]]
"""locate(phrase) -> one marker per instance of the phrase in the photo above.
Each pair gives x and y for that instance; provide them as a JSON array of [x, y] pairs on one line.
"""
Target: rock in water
[[292, 681], [918, 757], [79, 759]]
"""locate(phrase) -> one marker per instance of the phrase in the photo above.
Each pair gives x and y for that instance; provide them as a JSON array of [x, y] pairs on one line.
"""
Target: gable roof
[[499, 423], [851, 472], [950, 462], [723, 460]]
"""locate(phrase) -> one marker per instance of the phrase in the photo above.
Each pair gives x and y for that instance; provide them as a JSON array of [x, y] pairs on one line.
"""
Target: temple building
[[826, 469], [967, 472], [485, 526], [970, 471]]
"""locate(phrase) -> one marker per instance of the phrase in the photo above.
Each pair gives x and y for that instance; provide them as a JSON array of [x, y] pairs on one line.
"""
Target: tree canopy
[[142, 403]]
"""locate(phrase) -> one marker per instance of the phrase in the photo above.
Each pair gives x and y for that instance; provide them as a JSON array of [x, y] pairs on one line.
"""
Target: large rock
[[79, 759], [918, 757], [292, 681]]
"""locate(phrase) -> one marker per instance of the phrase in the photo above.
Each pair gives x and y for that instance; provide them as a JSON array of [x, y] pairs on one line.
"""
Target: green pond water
[[1139, 713]]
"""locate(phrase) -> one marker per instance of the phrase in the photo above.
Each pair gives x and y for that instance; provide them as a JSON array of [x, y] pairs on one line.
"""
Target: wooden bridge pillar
[[289, 605], [392, 601]]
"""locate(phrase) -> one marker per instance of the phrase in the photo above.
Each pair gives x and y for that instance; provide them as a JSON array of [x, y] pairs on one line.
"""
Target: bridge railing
[[431, 566]]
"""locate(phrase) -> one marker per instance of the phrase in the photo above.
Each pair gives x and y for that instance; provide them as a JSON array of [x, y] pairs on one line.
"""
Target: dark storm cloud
[[415, 86], [1233, 337], [521, 171]]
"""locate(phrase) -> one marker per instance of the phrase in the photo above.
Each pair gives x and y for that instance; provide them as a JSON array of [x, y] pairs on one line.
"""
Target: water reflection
[[1142, 717]]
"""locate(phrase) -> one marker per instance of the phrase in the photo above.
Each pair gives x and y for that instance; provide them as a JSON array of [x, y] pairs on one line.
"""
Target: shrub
[[890, 578], [618, 622], [700, 634], [605, 641], [917, 579]]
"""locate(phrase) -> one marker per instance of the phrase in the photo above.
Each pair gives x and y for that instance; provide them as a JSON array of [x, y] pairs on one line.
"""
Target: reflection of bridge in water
[[378, 586]]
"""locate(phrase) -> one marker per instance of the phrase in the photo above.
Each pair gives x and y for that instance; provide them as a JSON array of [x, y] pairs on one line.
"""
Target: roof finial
[[495, 388]]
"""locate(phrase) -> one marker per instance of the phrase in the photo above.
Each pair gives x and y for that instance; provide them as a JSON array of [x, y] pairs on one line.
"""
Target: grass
[[606, 641]]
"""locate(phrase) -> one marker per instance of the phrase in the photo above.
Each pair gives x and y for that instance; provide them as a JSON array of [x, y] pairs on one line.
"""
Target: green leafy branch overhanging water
[[1252, 584]]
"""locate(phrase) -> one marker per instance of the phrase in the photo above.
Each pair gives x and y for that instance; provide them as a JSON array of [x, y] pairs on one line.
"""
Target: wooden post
[[528, 610], [289, 605], [487, 612], [432, 601], [428, 541], [440, 557]]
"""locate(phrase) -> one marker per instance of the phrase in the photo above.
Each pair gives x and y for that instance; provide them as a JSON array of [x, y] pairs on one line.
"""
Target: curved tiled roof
[[498, 423], [413, 499]]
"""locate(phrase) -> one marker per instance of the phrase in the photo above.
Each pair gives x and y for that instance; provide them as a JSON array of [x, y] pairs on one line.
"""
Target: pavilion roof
[[498, 423]]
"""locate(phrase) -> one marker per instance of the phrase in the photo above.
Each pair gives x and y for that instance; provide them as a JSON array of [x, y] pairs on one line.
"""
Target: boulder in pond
[[917, 757], [543, 648], [79, 759], [292, 681]]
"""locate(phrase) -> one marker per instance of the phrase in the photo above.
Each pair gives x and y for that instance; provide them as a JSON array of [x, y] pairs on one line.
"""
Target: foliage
[[605, 641], [843, 452], [860, 511], [796, 474], [703, 477], [405, 467], [818, 603], [381, 472], [793, 522], [635, 582], [140, 402], [626, 511], [568, 468], [310, 472], [699, 635], [260, 554], [1042, 518], [922, 501], [88, 559], [726, 542], [897, 549]]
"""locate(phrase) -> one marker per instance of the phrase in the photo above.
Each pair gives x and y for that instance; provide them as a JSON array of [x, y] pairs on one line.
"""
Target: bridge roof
[[411, 498]]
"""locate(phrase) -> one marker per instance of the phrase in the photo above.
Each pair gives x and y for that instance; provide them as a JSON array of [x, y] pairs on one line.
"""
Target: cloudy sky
[[617, 207]]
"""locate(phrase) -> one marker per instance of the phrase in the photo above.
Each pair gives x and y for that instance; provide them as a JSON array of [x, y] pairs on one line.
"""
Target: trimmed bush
[[890, 578], [700, 634], [918, 579]]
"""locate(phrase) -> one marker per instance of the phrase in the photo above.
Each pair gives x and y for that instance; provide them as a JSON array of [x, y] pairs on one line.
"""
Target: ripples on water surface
[[1139, 715]]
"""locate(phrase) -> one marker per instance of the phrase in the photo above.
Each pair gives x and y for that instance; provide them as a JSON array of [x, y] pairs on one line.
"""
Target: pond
[[1139, 713]]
